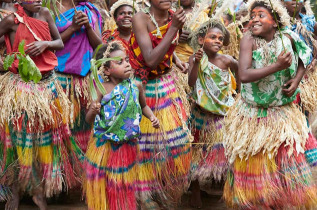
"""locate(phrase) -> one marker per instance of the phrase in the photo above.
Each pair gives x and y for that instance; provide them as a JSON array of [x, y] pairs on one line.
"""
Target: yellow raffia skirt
[[269, 167]]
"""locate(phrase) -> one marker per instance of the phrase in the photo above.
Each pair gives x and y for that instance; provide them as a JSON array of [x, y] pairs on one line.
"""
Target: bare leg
[[39, 198], [13, 202], [195, 199]]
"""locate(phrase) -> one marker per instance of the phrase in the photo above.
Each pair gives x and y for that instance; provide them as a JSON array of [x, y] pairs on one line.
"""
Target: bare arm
[[315, 30], [247, 73], [6, 25], [56, 43], [153, 56], [94, 35], [194, 67], [146, 111], [94, 109]]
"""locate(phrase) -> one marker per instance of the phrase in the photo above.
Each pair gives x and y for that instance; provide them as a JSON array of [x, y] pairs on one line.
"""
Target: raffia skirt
[[209, 162], [35, 136], [165, 153], [269, 158]]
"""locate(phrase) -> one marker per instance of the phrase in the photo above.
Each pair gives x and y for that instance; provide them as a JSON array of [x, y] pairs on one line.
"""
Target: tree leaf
[[92, 88], [8, 61], [21, 47]]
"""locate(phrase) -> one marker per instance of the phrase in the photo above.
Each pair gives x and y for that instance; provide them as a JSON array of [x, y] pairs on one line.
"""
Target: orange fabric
[[110, 35], [46, 61], [137, 60]]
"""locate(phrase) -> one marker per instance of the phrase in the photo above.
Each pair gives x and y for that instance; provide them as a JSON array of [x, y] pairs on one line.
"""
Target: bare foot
[[195, 199], [13, 203], [40, 201]]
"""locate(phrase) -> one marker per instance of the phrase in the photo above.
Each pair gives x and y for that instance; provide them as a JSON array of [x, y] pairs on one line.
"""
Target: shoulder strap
[[21, 20]]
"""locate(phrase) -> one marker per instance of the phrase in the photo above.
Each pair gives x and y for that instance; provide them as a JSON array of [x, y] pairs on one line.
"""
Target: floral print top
[[120, 114], [267, 92], [213, 89]]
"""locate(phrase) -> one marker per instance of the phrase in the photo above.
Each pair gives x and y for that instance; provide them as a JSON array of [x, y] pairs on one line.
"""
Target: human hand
[[290, 87], [155, 122], [284, 60], [80, 19], [183, 67], [95, 107], [199, 55], [36, 48], [179, 19], [183, 38]]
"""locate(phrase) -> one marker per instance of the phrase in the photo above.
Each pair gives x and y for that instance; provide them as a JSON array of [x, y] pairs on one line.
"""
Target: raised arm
[[194, 67], [247, 73], [153, 56], [94, 109]]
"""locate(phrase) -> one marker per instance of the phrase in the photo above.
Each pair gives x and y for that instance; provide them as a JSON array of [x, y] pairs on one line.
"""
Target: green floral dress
[[213, 89], [267, 92], [120, 114]]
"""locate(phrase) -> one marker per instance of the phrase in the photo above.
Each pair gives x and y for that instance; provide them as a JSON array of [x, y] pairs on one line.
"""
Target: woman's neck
[[161, 16]]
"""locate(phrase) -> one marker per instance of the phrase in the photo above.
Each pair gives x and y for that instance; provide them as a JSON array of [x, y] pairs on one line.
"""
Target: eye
[[127, 59]]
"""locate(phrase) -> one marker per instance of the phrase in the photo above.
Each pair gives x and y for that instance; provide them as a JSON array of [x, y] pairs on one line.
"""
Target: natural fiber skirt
[[111, 170], [165, 154], [77, 90], [269, 167], [34, 132], [209, 162]]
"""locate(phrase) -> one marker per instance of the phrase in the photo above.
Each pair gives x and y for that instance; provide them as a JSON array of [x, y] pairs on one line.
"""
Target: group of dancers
[[186, 93]]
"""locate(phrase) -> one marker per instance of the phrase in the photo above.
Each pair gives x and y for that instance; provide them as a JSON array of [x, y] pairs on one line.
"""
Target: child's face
[[161, 4], [261, 21], [119, 69], [291, 5], [124, 17], [213, 40], [32, 6]]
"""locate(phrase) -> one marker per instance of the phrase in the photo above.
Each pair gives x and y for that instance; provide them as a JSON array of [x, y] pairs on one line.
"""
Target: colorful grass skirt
[[34, 133], [77, 90], [111, 170], [209, 161], [269, 158], [165, 153]]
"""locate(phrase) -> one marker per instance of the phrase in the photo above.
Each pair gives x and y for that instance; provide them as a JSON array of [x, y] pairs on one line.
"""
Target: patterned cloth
[[308, 22], [120, 115], [137, 60], [77, 53], [110, 35], [213, 89], [112, 155], [267, 92]]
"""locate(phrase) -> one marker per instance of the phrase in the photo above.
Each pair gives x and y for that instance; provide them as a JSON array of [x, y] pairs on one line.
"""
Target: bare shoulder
[[226, 59], [140, 17], [10, 19]]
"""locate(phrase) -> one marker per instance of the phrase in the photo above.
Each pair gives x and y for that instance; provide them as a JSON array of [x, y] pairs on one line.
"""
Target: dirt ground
[[73, 201]]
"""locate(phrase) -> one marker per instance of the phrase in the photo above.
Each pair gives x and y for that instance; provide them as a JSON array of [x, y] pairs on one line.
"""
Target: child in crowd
[[122, 12], [210, 76], [265, 132], [113, 149]]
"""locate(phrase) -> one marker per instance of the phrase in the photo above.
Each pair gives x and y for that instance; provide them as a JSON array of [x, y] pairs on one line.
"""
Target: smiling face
[[123, 16], [290, 5], [119, 69], [161, 4], [261, 22], [213, 40], [32, 6]]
